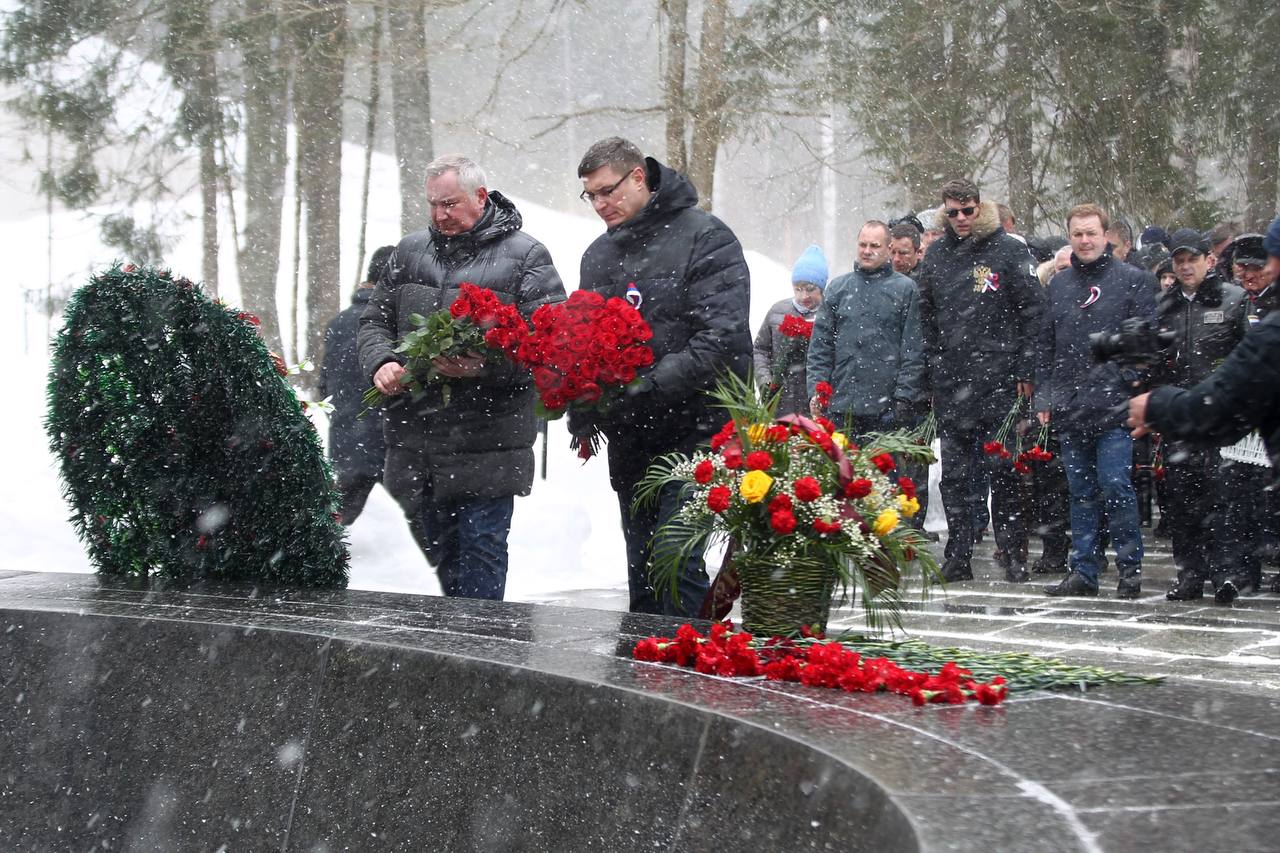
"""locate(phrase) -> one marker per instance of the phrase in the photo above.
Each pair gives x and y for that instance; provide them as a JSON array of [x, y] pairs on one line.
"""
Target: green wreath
[[183, 452]]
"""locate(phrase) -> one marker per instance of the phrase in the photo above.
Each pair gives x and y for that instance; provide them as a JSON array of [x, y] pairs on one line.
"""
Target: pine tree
[[183, 453]]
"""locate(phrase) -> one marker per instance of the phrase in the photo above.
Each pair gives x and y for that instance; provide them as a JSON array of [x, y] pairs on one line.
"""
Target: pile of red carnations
[[582, 349], [814, 663], [794, 326]]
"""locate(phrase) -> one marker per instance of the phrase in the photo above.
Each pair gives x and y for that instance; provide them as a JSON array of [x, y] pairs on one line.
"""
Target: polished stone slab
[[188, 718]]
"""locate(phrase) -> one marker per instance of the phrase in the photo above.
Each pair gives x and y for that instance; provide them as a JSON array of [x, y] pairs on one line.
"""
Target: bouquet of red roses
[[476, 322], [584, 351]]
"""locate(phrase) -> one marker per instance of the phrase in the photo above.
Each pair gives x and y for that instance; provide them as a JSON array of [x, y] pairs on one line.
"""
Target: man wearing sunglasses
[[979, 311], [683, 269]]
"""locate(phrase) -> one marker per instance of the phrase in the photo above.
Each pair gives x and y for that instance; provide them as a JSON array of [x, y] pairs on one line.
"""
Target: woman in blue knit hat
[[783, 341]]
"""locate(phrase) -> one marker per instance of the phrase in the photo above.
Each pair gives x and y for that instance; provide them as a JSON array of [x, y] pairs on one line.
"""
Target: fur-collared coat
[[980, 306]]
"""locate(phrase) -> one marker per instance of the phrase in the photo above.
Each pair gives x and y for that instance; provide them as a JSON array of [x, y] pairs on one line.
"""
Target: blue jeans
[[1099, 468], [466, 540]]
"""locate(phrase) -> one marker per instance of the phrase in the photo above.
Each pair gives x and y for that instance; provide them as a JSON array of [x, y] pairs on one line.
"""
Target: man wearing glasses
[[683, 269], [979, 311]]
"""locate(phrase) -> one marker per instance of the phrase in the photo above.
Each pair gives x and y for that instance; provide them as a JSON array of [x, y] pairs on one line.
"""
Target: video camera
[[1137, 343]]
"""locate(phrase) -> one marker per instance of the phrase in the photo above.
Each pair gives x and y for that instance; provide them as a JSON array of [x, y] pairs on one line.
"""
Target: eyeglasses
[[590, 197], [953, 212]]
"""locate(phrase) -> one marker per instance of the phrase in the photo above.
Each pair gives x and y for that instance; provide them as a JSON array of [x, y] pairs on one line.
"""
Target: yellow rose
[[840, 439], [755, 485], [756, 432], [885, 521], [908, 506]]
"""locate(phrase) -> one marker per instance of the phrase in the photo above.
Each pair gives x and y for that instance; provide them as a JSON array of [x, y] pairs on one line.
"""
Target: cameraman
[[1096, 294], [1242, 394], [1206, 318]]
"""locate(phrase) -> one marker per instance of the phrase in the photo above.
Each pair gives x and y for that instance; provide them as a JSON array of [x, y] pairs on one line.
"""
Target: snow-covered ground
[[565, 536]]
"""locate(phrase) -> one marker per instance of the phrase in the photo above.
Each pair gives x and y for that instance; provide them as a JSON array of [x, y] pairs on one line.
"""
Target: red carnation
[[907, 486], [793, 326], [859, 488], [732, 456], [780, 503], [759, 460], [718, 498], [807, 489], [825, 424], [884, 462], [704, 471], [783, 522], [826, 528]]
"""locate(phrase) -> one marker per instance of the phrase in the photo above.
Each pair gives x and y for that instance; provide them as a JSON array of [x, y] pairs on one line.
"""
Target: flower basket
[[780, 599], [808, 511]]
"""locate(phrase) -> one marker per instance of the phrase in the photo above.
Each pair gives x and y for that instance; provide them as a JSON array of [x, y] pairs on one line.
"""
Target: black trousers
[[1192, 506], [1249, 522], [353, 491], [962, 465], [1051, 504]]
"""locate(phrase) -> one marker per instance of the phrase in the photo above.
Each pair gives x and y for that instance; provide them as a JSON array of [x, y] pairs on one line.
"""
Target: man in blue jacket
[[1087, 401]]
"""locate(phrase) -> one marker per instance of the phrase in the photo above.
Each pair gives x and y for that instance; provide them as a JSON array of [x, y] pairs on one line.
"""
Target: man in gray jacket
[[866, 341], [455, 469]]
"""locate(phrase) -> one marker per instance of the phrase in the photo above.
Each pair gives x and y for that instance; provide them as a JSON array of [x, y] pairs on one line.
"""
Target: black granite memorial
[[220, 717]]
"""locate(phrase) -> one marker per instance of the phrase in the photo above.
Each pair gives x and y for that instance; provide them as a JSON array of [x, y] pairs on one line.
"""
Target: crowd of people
[[951, 319]]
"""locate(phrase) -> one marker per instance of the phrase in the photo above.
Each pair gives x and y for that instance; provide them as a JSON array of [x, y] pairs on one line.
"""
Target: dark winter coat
[[1256, 308], [1206, 327], [695, 293], [1084, 299], [356, 445], [774, 349], [867, 342], [480, 445], [980, 313], [1241, 395]]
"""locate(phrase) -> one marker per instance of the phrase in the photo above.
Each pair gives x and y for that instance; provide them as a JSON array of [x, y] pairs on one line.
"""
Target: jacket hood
[[986, 223], [672, 193], [500, 217]]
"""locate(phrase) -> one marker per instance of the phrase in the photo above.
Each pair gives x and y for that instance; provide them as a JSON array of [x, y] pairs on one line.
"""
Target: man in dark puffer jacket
[[455, 469], [683, 269], [979, 312]]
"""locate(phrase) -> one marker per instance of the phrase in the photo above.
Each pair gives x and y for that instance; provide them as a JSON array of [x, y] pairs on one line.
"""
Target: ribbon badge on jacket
[[1095, 293], [633, 295], [984, 280]]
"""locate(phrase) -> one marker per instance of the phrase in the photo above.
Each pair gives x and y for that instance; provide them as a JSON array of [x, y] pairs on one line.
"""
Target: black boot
[[1130, 585], [1187, 588], [954, 571], [1050, 565], [1016, 573], [1074, 584], [1226, 592]]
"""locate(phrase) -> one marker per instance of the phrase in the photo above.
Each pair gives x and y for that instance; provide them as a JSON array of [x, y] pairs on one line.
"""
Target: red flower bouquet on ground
[[476, 322], [584, 351]]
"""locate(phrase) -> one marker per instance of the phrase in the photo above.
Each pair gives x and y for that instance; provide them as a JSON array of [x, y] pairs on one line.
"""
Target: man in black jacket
[[1242, 394], [1086, 400], [979, 311], [455, 469], [355, 443], [683, 269], [1205, 316]]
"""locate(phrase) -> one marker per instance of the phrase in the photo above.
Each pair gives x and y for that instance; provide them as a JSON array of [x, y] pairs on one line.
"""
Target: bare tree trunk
[[411, 108], [677, 40], [209, 213], [1261, 174], [1018, 72], [318, 114], [265, 160], [708, 117], [370, 138]]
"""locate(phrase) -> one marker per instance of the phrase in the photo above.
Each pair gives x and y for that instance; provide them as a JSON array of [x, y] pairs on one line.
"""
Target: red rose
[[907, 486], [807, 489], [460, 308], [703, 471], [718, 498], [884, 462], [783, 522], [759, 460], [859, 488]]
